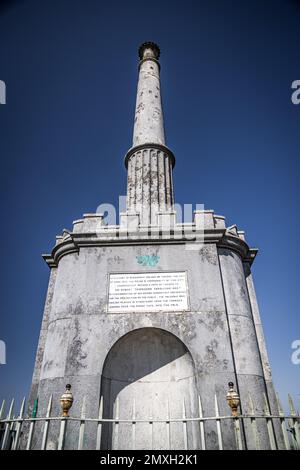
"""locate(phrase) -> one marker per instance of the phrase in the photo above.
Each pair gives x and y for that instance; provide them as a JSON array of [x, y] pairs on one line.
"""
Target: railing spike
[[292, 407], [266, 405], [117, 408], [183, 409], [100, 414], [22, 408], [279, 406], [2, 408], [99, 426], [200, 407], [49, 408], [83, 407], [216, 405], [251, 406], [10, 411]]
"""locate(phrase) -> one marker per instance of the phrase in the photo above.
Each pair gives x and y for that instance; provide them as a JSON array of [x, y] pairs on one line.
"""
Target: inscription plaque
[[147, 292]]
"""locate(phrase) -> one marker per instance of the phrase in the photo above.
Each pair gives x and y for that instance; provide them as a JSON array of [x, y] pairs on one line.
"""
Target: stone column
[[149, 161], [148, 121], [263, 353], [245, 346]]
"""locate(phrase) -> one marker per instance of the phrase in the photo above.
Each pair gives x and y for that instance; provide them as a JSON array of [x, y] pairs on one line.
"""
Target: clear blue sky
[[71, 67]]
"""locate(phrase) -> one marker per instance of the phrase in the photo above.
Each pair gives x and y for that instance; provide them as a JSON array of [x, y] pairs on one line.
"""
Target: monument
[[151, 313]]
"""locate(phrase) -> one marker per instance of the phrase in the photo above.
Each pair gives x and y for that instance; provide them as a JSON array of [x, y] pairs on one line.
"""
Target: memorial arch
[[148, 373]]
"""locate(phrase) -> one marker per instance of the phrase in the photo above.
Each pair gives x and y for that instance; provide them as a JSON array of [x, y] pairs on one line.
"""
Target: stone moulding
[[161, 147], [72, 242]]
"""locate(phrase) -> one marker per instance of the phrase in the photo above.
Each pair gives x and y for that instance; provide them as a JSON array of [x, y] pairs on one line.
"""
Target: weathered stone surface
[[151, 364], [218, 330]]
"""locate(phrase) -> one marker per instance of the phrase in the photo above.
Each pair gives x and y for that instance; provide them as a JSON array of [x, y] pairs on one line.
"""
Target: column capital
[[149, 50]]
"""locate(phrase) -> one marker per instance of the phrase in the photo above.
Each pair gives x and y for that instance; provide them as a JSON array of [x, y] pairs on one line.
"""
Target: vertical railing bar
[[99, 426], [12, 433], [116, 426], [82, 425], [46, 425], [218, 423], [294, 421], [237, 427], [168, 424], [201, 424], [30, 435], [151, 427], [253, 423], [133, 424], [32, 424], [62, 433], [185, 437], [283, 424], [269, 424], [7, 426], [19, 426], [292, 436]]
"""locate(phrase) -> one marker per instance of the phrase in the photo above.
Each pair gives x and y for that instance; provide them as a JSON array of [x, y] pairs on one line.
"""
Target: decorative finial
[[149, 50], [233, 399], [66, 401]]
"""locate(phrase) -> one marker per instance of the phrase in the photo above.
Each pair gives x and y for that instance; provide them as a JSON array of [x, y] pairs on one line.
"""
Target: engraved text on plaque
[[147, 292]]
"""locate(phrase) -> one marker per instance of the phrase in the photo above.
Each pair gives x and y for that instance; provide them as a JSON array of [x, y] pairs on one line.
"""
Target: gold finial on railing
[[233, 399], [66, 401]]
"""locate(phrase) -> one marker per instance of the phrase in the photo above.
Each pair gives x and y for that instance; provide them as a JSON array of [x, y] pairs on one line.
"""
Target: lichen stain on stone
[[47, 365], [208, 254], [77, 355], [225, 363], [116, 259], [78, 310], [101, 306], [187, 328], [215, 321], [209, 359], [212, 438], [243, 291]]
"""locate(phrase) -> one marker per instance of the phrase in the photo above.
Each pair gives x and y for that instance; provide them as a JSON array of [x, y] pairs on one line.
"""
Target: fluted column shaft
[[149, 161]]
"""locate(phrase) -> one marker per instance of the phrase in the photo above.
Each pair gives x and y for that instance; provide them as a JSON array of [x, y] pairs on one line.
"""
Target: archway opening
[[149, 375]]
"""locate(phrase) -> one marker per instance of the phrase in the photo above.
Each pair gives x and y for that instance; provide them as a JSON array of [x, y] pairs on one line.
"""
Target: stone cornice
[[150, 145], [65, 247], [72, 242]]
